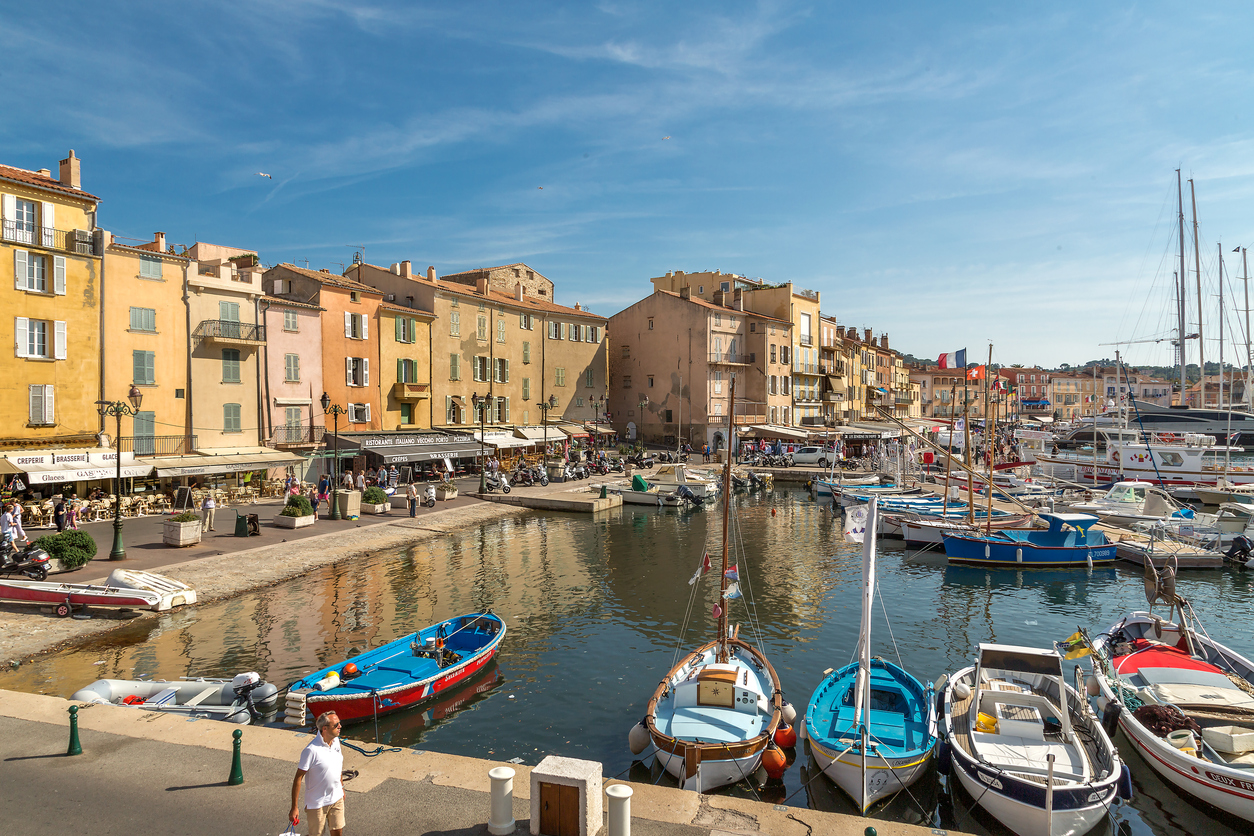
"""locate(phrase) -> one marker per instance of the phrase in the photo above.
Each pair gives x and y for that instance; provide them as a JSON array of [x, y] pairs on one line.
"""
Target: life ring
[[1114, 457], [1167, 437]]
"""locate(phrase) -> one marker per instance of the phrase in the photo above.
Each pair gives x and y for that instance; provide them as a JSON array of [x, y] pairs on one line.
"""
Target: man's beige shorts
[[332, 814]]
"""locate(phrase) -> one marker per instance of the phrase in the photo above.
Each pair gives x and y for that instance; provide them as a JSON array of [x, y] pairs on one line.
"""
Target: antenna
[[359, 256]]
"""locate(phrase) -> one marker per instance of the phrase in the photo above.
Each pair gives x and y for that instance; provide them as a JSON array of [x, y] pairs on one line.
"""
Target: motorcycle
[[493, 482], [31, 561], [641, 460], [616, 465], [522, 477]]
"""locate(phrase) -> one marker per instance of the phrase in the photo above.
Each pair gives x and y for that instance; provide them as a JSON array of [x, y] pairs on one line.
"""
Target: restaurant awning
[[772, 431], [572, 430], [43, 467], [537, 433], [43, 474], [222, 460], [599, 429], [502, 439], [880, 430]]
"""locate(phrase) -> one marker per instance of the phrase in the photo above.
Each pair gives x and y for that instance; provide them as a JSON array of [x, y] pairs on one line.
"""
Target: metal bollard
[[237, 768], [619, 809], [75, 748], [603, 492], [501, 813]]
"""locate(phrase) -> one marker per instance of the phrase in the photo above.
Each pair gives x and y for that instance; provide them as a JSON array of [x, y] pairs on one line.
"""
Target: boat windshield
[[1126, 493]]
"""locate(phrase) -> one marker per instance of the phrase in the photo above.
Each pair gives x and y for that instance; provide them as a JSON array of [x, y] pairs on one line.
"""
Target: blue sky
[[951, 173]]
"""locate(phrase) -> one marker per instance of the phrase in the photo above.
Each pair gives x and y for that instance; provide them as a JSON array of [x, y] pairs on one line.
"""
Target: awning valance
[[43, 474], [204, 464], [538, 433], [77, 464], [772, 431], [501, 439]]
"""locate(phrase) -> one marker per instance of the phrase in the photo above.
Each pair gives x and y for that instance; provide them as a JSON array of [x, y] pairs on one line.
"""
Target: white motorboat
[[1131, 502], [124, 588], [671, 476], [1172, 461], [235, 700], [640, 493]]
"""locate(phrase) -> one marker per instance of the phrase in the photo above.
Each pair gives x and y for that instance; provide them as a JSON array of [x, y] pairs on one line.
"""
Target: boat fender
[[802, 734], [774, 762], [772, 512], [638, 738], [1110, 717], [942, 757], [789, 712], [962, 690], [1091, 687], [785, 736], [1125, 782]]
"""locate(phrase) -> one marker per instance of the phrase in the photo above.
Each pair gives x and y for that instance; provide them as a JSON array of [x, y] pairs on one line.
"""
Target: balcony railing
[[78, 241], [805, 368], [296, 436], [230, 332], [903, 399], [732, 359], [157, 445], [832, 368], [806, 339], [833, 397]]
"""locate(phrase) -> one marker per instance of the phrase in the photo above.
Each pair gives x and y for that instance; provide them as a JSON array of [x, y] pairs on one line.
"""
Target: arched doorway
[[718, 441]]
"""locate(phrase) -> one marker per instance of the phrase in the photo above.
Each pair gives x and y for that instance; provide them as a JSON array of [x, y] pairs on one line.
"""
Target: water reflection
[[595, 609]]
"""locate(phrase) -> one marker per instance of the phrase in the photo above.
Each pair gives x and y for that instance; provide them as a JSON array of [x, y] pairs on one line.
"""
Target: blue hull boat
[[1069, 541]]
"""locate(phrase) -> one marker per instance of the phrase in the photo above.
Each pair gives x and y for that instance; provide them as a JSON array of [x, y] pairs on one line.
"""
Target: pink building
[[293, 375]]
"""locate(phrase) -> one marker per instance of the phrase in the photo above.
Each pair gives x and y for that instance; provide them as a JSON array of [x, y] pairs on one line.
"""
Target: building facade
[[292, 387]]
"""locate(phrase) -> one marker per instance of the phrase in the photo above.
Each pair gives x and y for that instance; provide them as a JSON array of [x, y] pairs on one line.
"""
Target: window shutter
[[565, 330], [454, 367], [367, 413], [365, 373], [506, 372], [35, 409], [348, 370], [58, 274], [396, 321], [448, 409], [50, 415], [9, 204], [365, 330], [506, 409], [48, 218], [348, 324], [20, 266], [400, 371], [21, 338], [59, 341]]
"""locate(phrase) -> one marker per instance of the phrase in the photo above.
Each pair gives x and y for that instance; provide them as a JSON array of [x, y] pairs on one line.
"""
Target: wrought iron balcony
[[157, 445], [292, 436], [229, 332], [77, 241], [805, 368], [732, 359]]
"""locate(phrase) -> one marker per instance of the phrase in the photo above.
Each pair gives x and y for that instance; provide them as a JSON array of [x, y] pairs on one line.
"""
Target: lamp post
[[596, 424], [117, 409], [544, 407], [480, 401], [644, 404], [335, 411]]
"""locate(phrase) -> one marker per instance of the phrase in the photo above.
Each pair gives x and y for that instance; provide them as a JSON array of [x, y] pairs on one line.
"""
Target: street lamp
[[544, 407], [597, 404], [644, 404], [117, 409], [335, 411], [480, 401]]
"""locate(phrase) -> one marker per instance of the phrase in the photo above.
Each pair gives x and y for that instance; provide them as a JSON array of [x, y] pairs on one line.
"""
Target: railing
[[296, 435], [806, 339], [806, 368], [226, 329], [833, 396], [736, 359], [78, 241], [832, 368], [403, 391], [903, 399], [157, 445]]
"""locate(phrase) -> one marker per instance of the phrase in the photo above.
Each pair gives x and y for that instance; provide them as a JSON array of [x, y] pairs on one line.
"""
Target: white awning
[[773, 431], [43, 474], [229, 461], [502, 440], [293, 401], [53, 466], [537, 433]]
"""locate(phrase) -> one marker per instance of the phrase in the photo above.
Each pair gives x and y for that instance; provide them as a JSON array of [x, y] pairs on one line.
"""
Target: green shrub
[[297, 506], [186, 516], [72, 548], [375, 495]]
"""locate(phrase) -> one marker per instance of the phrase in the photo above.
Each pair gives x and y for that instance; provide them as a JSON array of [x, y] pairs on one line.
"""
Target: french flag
[[953, 360]]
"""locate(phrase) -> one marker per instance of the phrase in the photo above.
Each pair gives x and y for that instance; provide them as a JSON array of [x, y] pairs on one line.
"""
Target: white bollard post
[[619, 809], [501, 816]]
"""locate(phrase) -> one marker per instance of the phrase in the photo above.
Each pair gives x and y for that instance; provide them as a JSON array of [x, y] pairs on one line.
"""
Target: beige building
[[835, 369]]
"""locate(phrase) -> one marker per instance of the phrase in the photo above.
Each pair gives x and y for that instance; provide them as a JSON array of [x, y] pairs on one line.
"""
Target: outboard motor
[[1240, 550], [253, 691], [685, 493]]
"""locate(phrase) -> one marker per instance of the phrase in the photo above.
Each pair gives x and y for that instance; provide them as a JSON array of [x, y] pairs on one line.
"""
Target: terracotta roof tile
[[32, 178], [331, 279], [704, 304], [389, 306], [291, 303]]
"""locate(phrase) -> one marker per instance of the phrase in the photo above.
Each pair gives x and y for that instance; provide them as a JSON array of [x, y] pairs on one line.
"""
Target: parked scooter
[[643, 460], [428, 496], [31, 561], [495, 482]]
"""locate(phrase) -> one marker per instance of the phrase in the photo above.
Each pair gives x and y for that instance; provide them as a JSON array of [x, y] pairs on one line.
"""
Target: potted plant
[[68, 550], [375, 501], [297, 513], [183, 530], [446, 490]]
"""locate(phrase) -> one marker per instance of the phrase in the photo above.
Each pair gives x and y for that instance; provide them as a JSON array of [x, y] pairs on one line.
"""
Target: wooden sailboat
[[715, 713], [871, 725]]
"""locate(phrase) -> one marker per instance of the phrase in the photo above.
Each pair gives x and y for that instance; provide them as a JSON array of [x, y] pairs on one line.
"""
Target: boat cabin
[[1065, 530], [732, 693]]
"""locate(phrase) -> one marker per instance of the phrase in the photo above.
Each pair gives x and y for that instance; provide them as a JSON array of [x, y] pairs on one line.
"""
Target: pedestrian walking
[[347, 479], [17, 523], [320, 768], [59, 516], [394, 476], [7, 532], [324, 488], [71, 513], [207, 507], [361, 480], [411, 493]]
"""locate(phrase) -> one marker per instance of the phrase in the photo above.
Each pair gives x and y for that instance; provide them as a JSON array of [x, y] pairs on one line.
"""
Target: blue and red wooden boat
[[1070, 540], [401, 673]]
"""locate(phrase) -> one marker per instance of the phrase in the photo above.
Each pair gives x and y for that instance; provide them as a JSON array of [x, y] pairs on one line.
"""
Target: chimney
[[159, 240], [685, 292], [481, 286], [395, 269], [738, 299], [870, 338], [325, 270], [883, 341], [431, 277], [518, 292], [718, 298], [46, 172], [407, 270], [577, 307], [71, 175]]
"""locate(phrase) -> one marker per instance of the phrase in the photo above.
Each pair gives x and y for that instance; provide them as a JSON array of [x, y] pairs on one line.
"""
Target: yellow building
[[405, 368], [144, 342], [50, 275]]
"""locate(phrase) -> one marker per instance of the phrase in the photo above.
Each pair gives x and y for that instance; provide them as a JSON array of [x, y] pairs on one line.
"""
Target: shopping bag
[[291, 829]]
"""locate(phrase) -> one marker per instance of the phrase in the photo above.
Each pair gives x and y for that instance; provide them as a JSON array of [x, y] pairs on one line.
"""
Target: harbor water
[[595, 608]]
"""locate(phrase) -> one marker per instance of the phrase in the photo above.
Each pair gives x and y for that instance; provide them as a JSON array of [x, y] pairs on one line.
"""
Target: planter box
[[294, 522], [57, 567], [181, 533], [444, 493], [371, 508]]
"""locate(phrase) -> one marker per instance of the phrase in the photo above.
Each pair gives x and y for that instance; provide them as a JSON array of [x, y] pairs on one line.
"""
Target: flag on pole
[[953, 360], [701, 570], [732, 574], [976, 373], [732, 592], [855, 524]]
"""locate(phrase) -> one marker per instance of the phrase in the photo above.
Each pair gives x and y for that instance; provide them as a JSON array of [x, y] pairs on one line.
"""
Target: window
[[357, 371], [500, 330], [527, 322], [228, 311], [481, 370], [143, 319], [626, 351], [592, 333], [292, 416], [354, 296], [454, 367], [144, 428], [21, 227], [41, 405], [359, 413], [753, 327], [230, 365], [482, 332], [668, 418], [291, 368], [149, 267], [718, 382], [290, 321], [650, 323], [718, 318], [649, 379], [783, 354], [407, 413], [502, 370], [725, 286], [701, 289], [454, 323], [578, 401], [772, 388], [144, 365], [356, 327], [526, 388], [626, 381], [231, 418], [454, 303], [526, 352], [559, 377], [589, 379], [453, 414], [30, 272], [772, 353], [502, 410], [576, 332], [406, 371], [406, 329]]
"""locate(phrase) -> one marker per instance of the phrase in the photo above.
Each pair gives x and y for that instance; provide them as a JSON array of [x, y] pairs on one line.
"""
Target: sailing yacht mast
[[1245, 269], [1181, 288], [1197, 266], [724, 654], [988, 439]]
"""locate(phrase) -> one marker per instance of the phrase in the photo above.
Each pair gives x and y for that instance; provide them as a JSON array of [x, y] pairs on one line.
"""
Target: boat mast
[[862, 686], [1095, 396], [723, 654], [1245, 269], [1181, 288], [988, 439], [966, 450], [1197, 266], [949, 459]]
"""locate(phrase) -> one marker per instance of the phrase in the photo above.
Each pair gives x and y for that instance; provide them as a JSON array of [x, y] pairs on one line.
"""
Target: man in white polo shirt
[[323, 762]]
